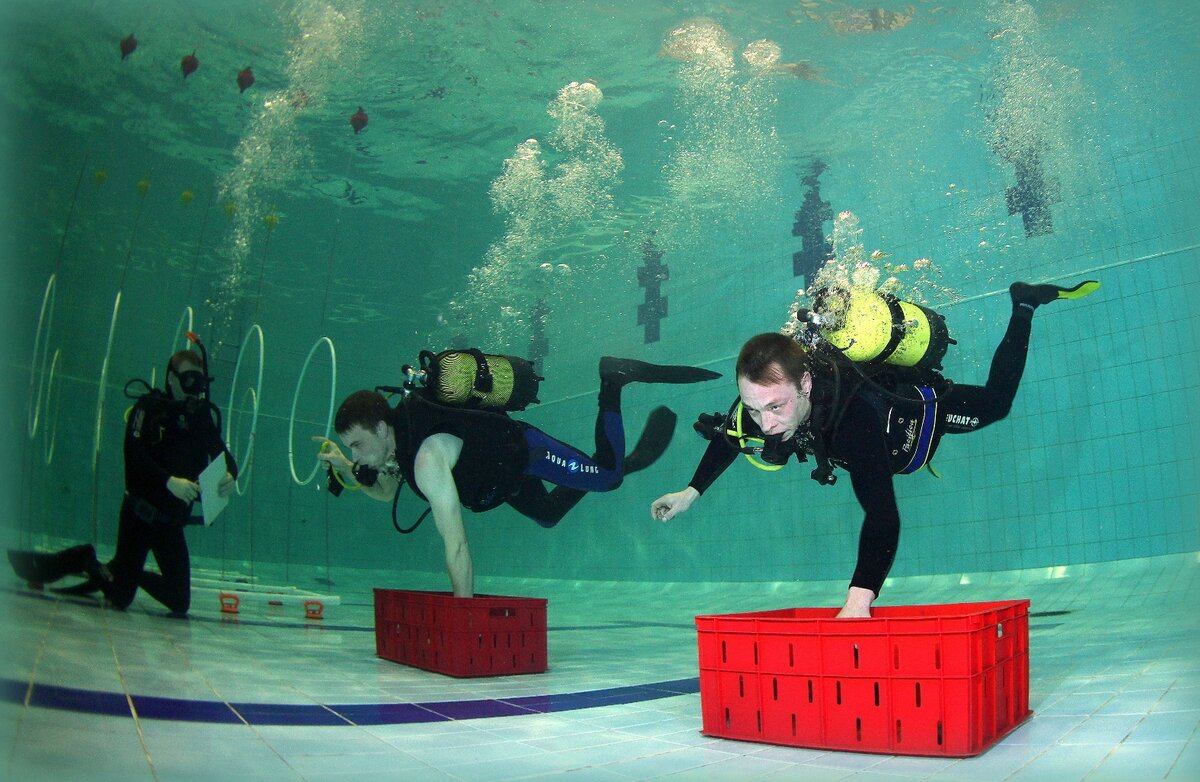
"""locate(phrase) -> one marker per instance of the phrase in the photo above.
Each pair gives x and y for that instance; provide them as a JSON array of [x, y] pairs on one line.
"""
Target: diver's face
[[183, 384], [370, 447], [778, 408]]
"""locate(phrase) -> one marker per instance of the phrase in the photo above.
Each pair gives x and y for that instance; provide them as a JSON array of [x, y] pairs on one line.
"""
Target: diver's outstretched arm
[[435, 459], [671, 505]]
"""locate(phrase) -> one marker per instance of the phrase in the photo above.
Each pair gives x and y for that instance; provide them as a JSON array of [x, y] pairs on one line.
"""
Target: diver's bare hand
[[671, 505], [183, 488], [858, 604], [330, 453], [226, 486]]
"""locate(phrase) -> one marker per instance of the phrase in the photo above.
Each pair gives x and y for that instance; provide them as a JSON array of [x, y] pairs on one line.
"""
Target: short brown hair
[[772, 358], [185, 357], [364, 408]]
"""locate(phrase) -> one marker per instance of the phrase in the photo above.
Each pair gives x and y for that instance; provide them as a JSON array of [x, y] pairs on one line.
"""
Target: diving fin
[[1033, 296], [86, 587], [1085, 288], [621, 371], [656, 436], [24, 564], [99, 579], [38, 568]]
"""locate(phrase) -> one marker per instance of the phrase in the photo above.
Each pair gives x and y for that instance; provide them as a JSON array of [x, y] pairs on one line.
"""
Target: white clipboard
[[210, 498]]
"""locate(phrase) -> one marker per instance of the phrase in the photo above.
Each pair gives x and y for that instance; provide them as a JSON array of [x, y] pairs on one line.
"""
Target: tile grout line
[[29, 687], [137, 723], [1091, 772], [1190, 740], [208, 683]]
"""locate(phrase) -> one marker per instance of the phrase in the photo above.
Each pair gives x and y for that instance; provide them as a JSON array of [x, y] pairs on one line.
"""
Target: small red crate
[[942, 680], [485, 635]]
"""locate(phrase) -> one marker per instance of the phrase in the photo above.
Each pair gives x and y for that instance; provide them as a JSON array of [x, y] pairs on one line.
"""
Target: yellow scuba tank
[[877, 328], [471, 378]]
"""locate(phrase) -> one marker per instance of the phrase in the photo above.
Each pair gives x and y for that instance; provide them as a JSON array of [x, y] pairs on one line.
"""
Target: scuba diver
[[170, 437], [806, 397], [457, 453]]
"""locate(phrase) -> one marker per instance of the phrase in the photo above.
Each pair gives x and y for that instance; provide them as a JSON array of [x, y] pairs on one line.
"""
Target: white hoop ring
[[112, 330], [244, 461], [244, 469], [51, 434], [296, 398], [37, 368], [188, 316]]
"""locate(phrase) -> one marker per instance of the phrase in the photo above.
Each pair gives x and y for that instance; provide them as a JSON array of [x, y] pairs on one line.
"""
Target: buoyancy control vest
[[899, 370], [460, 382]]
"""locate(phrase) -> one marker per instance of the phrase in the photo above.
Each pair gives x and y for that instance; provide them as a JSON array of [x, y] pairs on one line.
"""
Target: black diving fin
[[656, 436], [629, 370], [39, 568], [1033, 296], [89, 586]]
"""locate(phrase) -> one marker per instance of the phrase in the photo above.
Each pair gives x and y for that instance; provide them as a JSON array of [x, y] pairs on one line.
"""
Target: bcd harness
[[466, 380], [833, 391], [863, 342]]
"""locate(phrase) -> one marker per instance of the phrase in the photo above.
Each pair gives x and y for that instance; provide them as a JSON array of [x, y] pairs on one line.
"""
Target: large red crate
[[485, 635], [942, 680]]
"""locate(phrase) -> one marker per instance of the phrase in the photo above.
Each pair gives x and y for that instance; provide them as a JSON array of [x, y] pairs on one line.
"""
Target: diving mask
[[192, 382]]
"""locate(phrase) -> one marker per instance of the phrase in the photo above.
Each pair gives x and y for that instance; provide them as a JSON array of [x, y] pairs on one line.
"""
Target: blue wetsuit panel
[[561, 464]]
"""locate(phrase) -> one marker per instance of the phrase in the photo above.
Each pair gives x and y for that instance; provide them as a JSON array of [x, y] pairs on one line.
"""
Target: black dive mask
[[193, 382]]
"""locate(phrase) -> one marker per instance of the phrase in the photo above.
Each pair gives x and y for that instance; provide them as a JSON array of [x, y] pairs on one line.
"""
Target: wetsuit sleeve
[[717, 458], [860, 442]]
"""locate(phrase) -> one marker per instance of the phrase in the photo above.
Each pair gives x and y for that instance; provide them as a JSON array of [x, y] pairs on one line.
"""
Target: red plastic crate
[[942, 680], [485, 635]]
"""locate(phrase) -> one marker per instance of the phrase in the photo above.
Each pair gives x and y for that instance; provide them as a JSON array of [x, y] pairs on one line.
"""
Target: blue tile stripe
[[310, 624], [52, 696]]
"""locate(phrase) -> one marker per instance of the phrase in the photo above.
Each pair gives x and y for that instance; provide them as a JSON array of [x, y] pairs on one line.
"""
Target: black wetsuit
[[163, 438], [506, 461], [877, 436]]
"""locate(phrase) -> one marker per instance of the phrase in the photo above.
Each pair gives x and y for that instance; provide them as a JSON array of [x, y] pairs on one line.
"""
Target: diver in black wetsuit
[[455, 458], [874, 431], [170, 437]]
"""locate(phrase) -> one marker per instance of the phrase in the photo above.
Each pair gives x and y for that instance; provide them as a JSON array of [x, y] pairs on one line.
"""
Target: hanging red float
[[245, 78], [189, 64]]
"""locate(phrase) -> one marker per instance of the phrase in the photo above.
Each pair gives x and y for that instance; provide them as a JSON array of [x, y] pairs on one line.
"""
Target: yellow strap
[[325, 448], [345, 485], [743, 439]]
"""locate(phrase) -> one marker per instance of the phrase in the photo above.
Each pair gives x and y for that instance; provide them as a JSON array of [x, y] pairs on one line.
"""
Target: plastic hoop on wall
[[181, 332], [296, 398], [37, 368], [112, 330], [244, 461], [51, 434], [244, 468]]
